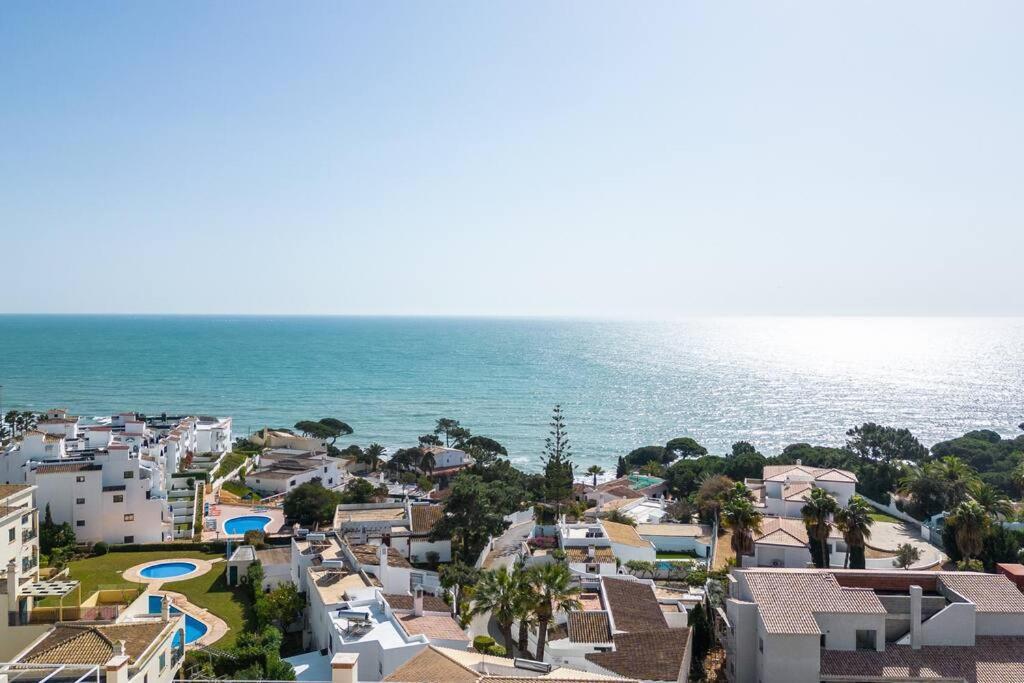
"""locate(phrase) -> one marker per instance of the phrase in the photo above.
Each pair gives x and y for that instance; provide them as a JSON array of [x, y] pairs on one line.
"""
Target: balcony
[[28, 534], [28, 564]]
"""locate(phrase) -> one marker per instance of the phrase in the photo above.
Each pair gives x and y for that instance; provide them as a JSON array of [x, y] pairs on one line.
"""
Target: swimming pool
[[239, 525], [194, 629], [167, 570]]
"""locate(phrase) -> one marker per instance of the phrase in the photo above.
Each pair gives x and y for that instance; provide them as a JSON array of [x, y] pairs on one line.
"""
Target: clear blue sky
[[592, 159]]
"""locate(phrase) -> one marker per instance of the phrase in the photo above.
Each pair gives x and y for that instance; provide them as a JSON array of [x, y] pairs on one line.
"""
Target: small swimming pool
[[239, 525], [194, 629], [167, 570]]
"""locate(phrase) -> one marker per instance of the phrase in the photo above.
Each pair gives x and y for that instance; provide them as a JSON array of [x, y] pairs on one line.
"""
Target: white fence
[[891, 509]]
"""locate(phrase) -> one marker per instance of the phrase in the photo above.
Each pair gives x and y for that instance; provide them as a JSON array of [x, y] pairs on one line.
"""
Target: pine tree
[[558, 468], [620, 468]]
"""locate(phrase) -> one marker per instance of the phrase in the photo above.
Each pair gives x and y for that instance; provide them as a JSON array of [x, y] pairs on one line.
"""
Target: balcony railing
[[28, 535]]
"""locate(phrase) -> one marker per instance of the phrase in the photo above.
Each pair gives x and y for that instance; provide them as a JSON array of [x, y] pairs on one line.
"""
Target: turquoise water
[[239, 525], [622, 384], [167, 570], [194, 629]]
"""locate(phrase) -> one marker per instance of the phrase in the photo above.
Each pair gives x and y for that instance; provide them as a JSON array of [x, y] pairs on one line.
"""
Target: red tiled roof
[[650, 656], [992, 659], [633, 604]]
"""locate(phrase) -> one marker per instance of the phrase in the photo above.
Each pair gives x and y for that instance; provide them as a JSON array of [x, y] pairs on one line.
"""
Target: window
[[118, 499], [291, 483], [823, 640], [129, 539], [866, 639], [163, 661], [24, 519], [80, 522], [80, 479], [760, 645], [129, 474], [10, 535], [129, 517], [79, 501]]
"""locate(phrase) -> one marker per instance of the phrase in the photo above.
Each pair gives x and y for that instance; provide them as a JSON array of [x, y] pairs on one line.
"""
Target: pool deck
[[134, 574], [227, 512], [216, 627]]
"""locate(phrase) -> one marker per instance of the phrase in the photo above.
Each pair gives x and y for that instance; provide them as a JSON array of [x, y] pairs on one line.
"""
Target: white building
[[213, 434], [678, 538], [783, 489], [405, 526], [783, 542], [807, 625], [281, 469], [105, 496]]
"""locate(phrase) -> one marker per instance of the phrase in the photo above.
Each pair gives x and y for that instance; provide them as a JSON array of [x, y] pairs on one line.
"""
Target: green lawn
[[105, 570], [685, 555], [241, 490], [211, 592], [880, 516]]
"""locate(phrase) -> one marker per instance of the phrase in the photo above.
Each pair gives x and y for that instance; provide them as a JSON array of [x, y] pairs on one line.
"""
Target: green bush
[[483, 644], [100, 548]]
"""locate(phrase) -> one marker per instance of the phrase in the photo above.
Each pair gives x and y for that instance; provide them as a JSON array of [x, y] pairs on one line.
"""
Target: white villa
[[405, 526], [808, 625], [783, 489], [279, 470]]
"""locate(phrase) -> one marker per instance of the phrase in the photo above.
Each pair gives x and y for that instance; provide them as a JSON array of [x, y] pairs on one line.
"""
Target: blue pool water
[[194, 629], [239, 525], [167, 570]]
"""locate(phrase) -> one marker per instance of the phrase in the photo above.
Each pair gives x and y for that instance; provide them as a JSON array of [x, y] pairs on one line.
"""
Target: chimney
[[116, 668], [592, 552], [417, 602], [382, 557], [345, 667], [915, 617], [165, 609], [12, 587], [799, 462]]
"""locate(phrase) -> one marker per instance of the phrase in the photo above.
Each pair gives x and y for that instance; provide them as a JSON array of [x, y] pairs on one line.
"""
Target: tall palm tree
[[744, 520], [970, 523], [372, 455], [596, 471], [11, 418], [552, 584], [992, 501], [1018, 476], [498, 593], [958, 477], [526, 605], [854, 521], [817, 515]]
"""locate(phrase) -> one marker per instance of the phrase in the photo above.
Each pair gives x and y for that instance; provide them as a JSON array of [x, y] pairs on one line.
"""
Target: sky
[[593, 159]]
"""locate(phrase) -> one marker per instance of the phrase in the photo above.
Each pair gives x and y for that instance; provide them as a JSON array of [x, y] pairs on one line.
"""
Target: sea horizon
[[770, 380]]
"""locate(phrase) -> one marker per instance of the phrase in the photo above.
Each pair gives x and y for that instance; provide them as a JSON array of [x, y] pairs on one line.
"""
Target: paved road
[[889, 536], [506, 546]]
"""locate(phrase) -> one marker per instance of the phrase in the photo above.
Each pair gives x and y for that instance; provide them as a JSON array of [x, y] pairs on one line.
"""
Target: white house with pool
[[233, 521]]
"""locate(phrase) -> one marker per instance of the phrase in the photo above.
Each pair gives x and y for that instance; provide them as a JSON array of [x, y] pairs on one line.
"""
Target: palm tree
[[498, 593], [596, 471], [744, 520], [11, 418], [855, 522], [526, 605], [992, 501], [817, 513], [372, 456], [552, 584], [958, 477], [26, 421], [1018, 476], [970, 524]]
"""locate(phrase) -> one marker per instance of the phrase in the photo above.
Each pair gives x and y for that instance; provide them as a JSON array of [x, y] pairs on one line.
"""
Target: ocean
[[770, 381]]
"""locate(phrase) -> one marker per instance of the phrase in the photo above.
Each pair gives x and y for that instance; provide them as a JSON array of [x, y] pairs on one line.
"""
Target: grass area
[[230, 462], [880, 516], [241, 490], [212, 592], [105, 570], [684, 555]]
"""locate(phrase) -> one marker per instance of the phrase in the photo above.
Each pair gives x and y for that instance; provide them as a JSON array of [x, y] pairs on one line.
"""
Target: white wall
[[789, 659]]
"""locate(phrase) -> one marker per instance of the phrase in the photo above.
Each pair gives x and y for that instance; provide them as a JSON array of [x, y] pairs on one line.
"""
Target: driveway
[[506, 547], [888, 536]]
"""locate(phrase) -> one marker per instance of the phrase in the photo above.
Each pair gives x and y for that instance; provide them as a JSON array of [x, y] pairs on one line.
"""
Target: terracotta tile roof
[[8, 490], [619, 490], [424, 517], [367, 555], [432, 626], [68, 644], [786, 531], [431, 603], [990, 592], [780, 472], [633, 604], [651, 655], [430, 666], [624, 534], [788, 599], [68, 467], [581, 554], [797, 492], [992, 659], [589, 627]]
